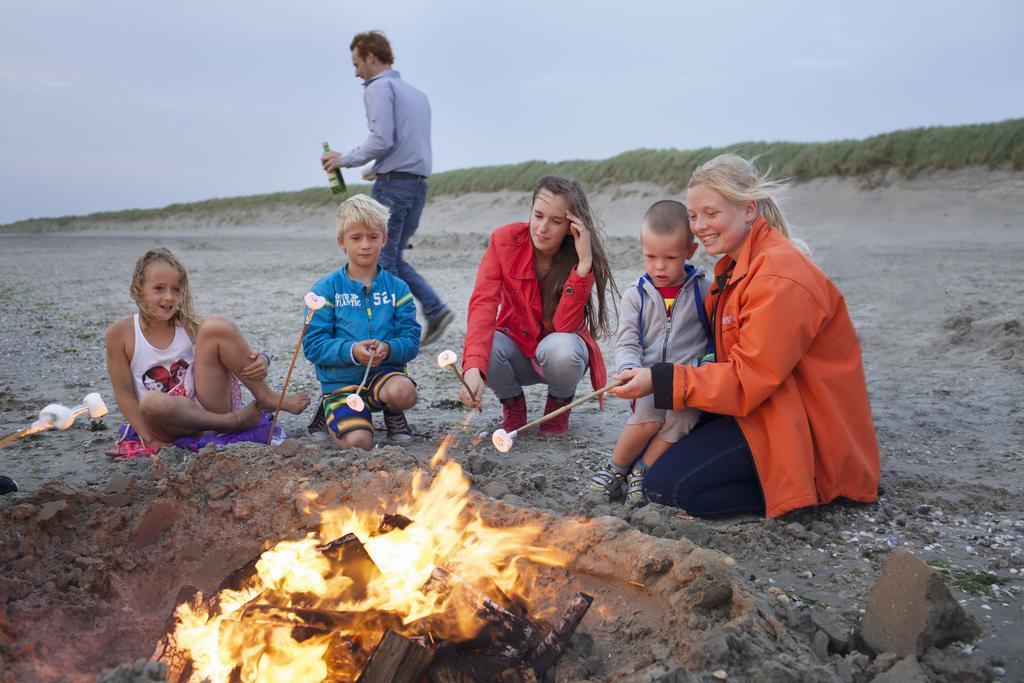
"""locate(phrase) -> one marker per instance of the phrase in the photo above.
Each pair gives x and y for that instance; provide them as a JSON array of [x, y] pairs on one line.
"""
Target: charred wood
[[396, 659], [550, 649]]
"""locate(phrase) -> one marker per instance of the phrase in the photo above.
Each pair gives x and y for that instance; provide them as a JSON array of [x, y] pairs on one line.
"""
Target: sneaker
[[317, 426], [607, 482], [556, 425], [7, 485], [635, 487], [436, 327], [398, 427], [513, 412]]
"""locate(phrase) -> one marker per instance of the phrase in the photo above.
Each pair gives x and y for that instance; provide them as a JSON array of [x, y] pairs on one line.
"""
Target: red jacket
[[506, 279], [789, 369]]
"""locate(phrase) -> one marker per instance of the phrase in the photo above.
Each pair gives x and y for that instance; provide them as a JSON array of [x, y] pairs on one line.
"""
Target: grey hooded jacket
[[679, 339]]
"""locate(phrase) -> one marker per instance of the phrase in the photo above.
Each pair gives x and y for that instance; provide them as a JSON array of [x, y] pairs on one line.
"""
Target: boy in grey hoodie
[[661, 320]]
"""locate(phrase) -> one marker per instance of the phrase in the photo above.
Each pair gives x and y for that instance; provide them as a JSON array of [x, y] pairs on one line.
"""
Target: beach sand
[[930, 268]]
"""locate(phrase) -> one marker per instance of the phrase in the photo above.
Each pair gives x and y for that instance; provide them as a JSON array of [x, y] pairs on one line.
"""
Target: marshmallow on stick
[[503, 440], [355, 401], [56, 416], [447, 358], [314, 302]]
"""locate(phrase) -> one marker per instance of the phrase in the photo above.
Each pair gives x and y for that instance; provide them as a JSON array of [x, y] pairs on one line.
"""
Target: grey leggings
[[562, 357]]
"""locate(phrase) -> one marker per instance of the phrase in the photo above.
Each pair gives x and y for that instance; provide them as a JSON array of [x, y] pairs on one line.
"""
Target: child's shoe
[[398, 427], [635, 486], [513, 412], [556, 425], [607, 481], [317, 426]]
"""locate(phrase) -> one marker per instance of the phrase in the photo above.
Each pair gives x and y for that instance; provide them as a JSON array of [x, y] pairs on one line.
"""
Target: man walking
[[399, 142]]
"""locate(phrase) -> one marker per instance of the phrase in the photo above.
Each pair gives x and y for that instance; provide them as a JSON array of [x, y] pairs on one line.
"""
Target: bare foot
[[247, 417], [293, 403]]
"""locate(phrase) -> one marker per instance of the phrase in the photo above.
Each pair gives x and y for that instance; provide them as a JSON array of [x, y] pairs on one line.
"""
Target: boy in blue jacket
[[370, 318]]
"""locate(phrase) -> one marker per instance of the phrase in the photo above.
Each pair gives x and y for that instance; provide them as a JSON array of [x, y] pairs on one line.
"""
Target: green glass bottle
[[334, 177]]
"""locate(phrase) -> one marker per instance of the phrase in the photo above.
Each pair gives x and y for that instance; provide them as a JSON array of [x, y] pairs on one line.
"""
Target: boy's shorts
[[675, 424], [341, 419]]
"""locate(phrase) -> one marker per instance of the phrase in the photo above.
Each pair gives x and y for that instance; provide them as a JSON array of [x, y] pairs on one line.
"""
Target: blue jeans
[[562, 357], [405, 199], [709, 472]]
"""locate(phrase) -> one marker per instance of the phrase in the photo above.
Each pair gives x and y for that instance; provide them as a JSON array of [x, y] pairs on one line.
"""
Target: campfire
[[423, 589]]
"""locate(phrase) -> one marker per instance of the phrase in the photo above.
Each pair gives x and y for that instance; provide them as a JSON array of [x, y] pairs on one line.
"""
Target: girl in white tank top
[[168, 370]]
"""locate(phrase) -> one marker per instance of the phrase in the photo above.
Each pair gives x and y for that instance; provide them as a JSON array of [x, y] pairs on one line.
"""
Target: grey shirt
[[677, 339], [398, 116]]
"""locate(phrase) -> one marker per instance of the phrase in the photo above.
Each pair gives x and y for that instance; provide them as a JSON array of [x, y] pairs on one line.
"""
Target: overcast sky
[[121, 104]]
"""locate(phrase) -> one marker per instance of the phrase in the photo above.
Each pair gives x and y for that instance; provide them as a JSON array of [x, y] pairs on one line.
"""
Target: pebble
[[719, 674], [999, 671], [969, 549]]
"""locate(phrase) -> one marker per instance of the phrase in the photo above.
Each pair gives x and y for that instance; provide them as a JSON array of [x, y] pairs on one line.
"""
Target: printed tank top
[[163, 370]]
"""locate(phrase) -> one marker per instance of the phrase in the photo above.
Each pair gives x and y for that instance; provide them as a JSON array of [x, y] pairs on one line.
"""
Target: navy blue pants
[[405, 199], [709, 472]]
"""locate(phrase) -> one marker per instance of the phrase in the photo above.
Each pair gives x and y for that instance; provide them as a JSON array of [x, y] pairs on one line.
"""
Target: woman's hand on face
[[581, 237], [638, 383], [476, 384]]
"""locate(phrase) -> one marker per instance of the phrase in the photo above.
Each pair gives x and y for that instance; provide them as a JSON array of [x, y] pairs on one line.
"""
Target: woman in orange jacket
[[532, 319], [787, 421]]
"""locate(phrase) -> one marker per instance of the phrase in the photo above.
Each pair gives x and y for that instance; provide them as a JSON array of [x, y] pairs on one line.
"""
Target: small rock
[[478, 464], [998, 671], [160, 515], [119, 483], [839, 638], [796, 530], [923, 510], [646, 517], [907, 670], [287, 448], [719, 674], [51, 511], [495, 489], [820, 645], [539, 481], [910, 609]]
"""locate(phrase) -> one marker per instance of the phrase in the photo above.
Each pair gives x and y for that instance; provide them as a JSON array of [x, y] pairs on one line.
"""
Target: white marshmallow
[[502, 440], [314, 301], [446, 358]]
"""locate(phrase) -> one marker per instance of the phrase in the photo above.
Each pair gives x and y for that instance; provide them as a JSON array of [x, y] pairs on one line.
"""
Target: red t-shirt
[[669, 295]]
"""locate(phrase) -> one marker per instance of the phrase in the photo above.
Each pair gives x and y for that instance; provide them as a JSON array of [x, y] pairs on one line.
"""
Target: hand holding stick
[[503, 440], [314, 303], [355, 401]]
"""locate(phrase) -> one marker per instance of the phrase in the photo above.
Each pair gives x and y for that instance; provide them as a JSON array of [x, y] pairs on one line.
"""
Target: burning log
[[550, 649], [322, 621], [349, 558], [506, 633], [398, 659]]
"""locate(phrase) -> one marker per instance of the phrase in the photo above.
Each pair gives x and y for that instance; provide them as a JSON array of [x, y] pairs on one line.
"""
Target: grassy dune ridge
[[908, 151]]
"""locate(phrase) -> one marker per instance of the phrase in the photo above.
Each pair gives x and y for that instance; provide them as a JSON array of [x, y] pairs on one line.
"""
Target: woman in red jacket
[[787, 421], [531, 316]]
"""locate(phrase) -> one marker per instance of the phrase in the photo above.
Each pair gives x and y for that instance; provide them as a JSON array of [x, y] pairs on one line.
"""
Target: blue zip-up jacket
[[384, 311]]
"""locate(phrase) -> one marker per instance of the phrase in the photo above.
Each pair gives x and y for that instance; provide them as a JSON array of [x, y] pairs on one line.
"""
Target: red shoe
[[513, 412], [556, 425]]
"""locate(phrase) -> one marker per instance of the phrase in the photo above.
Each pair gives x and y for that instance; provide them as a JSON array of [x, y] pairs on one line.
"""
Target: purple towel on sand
[[257, 434]]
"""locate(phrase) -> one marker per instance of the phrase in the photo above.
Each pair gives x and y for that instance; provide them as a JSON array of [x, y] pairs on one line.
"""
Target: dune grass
[[910, 152]]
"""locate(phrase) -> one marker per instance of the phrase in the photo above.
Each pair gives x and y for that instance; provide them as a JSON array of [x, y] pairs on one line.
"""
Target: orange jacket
[[506, 297], [789, 369]]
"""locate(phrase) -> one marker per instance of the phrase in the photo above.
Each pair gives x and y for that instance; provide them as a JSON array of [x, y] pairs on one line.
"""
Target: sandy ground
[[930, 268]]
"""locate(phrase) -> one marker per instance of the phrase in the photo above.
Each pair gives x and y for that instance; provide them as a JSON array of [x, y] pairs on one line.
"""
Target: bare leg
[[179, 416], [655, 449], [359, 438], [632, 441], [398, 393], [222, 351]]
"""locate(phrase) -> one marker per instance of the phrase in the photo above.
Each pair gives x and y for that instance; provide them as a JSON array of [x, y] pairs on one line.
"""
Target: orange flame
[[224, 641]]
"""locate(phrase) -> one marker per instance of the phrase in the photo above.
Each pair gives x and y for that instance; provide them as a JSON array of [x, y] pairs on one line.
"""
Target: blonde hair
[[738, 180], [186, 313], [365, 210]]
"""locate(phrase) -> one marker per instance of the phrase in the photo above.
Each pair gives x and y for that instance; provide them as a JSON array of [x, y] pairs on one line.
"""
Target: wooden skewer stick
[[288, 377], [503, 440]]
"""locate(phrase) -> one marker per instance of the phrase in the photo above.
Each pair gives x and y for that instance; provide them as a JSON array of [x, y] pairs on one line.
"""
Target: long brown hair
[[596, 319], [186, 313]]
